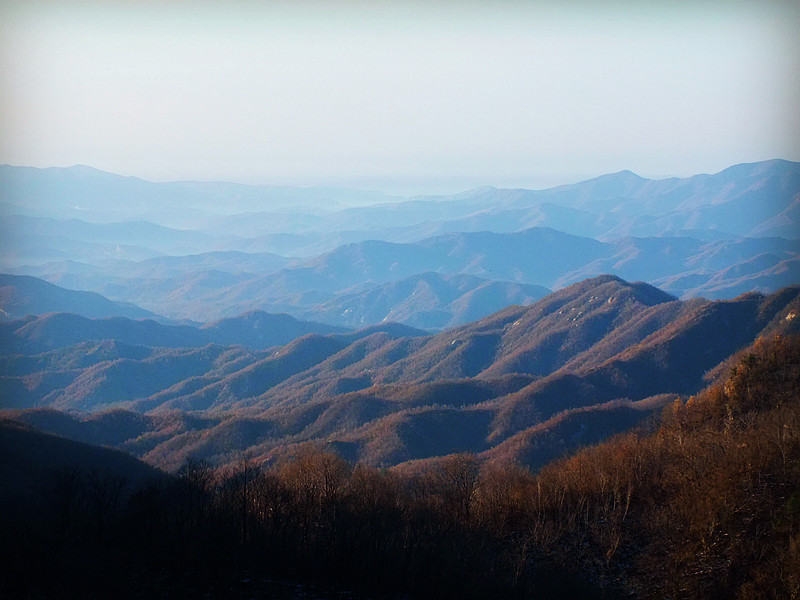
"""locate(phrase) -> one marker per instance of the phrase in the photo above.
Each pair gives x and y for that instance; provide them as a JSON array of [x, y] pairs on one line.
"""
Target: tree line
[[704, 505]]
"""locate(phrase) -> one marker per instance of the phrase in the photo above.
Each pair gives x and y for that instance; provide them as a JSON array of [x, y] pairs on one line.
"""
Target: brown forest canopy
[[707, 505]]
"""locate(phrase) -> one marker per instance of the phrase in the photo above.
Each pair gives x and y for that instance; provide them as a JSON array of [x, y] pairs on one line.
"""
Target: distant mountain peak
[[626, 175]]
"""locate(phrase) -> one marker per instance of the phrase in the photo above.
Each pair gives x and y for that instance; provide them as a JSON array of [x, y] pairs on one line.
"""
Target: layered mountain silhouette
[[415, 283], [22, 295], [206, 251], [526, 383], [257, 330], [212, 320], [428, 300]]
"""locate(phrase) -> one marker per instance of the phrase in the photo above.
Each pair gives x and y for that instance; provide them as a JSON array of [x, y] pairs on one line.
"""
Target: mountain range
[[757, 199], [21, 295], [367, 282], [351, 258], [527, 383], [349, 286], [207, 320]]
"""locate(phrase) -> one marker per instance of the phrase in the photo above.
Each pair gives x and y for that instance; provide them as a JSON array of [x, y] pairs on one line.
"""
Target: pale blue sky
[[383, 94]]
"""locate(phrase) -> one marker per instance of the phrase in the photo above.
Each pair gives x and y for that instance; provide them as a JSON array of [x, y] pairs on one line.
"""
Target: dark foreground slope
[[30, 459], [704, 506], [60, 508], [707, 506]]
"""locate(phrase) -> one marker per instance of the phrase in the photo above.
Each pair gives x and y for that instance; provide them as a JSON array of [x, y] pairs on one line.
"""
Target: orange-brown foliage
[[704, 507]]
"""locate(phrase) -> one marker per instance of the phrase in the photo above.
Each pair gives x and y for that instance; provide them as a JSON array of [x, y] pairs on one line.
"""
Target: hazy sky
[[444, 95]]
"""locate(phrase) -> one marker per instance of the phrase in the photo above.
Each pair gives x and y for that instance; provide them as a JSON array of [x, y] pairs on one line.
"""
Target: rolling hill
[[281, 277], [375, 279], [586, 361], [427, 300], [82, 191], [22, 295], [354, 253], [257, 330]]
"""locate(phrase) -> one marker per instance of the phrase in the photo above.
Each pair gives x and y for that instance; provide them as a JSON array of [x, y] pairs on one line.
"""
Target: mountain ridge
[[600, 348], [21, 295], [257, 330], [683, 266]]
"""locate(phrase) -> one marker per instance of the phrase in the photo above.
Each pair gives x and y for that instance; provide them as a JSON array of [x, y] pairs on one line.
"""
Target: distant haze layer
[[403, 97]]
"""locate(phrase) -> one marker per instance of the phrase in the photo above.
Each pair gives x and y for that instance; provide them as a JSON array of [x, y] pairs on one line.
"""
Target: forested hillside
[[526, 384], [704, 505]]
